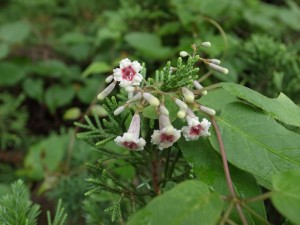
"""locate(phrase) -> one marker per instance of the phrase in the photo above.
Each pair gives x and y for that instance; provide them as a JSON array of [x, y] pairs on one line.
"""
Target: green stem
[[255, 214], [227, 213], [227, 173], [166, 167], [259, 197]]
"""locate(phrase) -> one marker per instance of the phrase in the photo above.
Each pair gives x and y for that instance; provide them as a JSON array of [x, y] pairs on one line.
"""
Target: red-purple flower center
[[131, 145], [128, 73], [195, 130], [166, 138]]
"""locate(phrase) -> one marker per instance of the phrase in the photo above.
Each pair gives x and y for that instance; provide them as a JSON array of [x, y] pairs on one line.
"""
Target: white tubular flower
[[163, 110], [167, 135], [119, 110], [106, 91], [128, 73], [188, 95], [208, 110], [206, 44], [183, 54], [152, 100], [181, 104], [198, 86], [218, 68], [195, 129], [215, 61], [131, 139]]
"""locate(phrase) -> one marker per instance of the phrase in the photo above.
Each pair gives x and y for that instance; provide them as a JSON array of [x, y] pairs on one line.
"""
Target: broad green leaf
[[286, 196], [34, 88], [281, 108], [57, 96], [208, 167], [217, 99], [51, 68], [190, 202], [4, 50], [256, 143], [14, 32], [43, 156], [96, 67], [148, 44], [10, 74]]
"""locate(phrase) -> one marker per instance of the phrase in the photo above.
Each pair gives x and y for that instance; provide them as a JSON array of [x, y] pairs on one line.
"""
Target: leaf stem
[[255, 214], [227, 213], [227, 173], [259, 197]]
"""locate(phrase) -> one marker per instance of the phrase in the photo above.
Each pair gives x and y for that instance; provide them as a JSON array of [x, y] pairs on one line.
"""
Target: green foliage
[[13, 119], [16, 208], [60, 215], [190, 202]]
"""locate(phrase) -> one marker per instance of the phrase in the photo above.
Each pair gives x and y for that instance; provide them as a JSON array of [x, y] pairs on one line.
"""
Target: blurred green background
[[55, 55]]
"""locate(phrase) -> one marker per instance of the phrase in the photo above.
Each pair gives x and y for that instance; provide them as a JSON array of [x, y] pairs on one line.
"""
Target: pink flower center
[[166, 138], [131, 145], [195, 130], [128, 73]]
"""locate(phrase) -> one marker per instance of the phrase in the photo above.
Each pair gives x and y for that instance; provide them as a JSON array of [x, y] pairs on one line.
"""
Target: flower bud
[[198, 86], [106, 91], [181, 114], [109, 79], [214, 61], [208, 110], [183, 54], [152, 100], [188, 95], [163, 110], [206, 44], [218, 68], [181, 104], [119, 110]]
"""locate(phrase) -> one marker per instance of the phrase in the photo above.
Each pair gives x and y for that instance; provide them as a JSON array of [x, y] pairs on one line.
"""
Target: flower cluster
[[130, 78]]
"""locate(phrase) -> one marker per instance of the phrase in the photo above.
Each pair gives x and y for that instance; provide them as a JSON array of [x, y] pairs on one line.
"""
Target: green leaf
[[45, 155], [286, 195], [96, 67], [208, 167], [14, 32], [34, 88], [256, 143], [281, 108], [148, 44], [51, 68], [10, 74], [4, 50], [57, 96], [72, 113], [190, 202]]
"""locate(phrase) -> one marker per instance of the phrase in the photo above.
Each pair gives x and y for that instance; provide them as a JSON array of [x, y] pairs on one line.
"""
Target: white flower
[[207, 110], [152, 100], [106, 91], [131, 139], [195, 129], [183, 54], [218, 68], [188, 95], [128, 73], [167, 135], [198, 86]]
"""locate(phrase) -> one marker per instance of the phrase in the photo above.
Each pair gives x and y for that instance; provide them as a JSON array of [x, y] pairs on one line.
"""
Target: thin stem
[[230, 222], [259, 197], [256, 214], [174, 163], [166, 167], [227, 213], [155, 178], [226, 170], [213, 86]]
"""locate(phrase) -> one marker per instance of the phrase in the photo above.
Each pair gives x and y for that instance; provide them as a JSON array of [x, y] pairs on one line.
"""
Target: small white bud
[[198, 86], [109, 79], [181, 105], [136, 97], [214, 61], [206, 44], [207, 110], [218, 68], [152, 100], [188, 95], [129, 89], [119, 110], [183, 54], [163, 110], [106, 91], [181, 114]]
